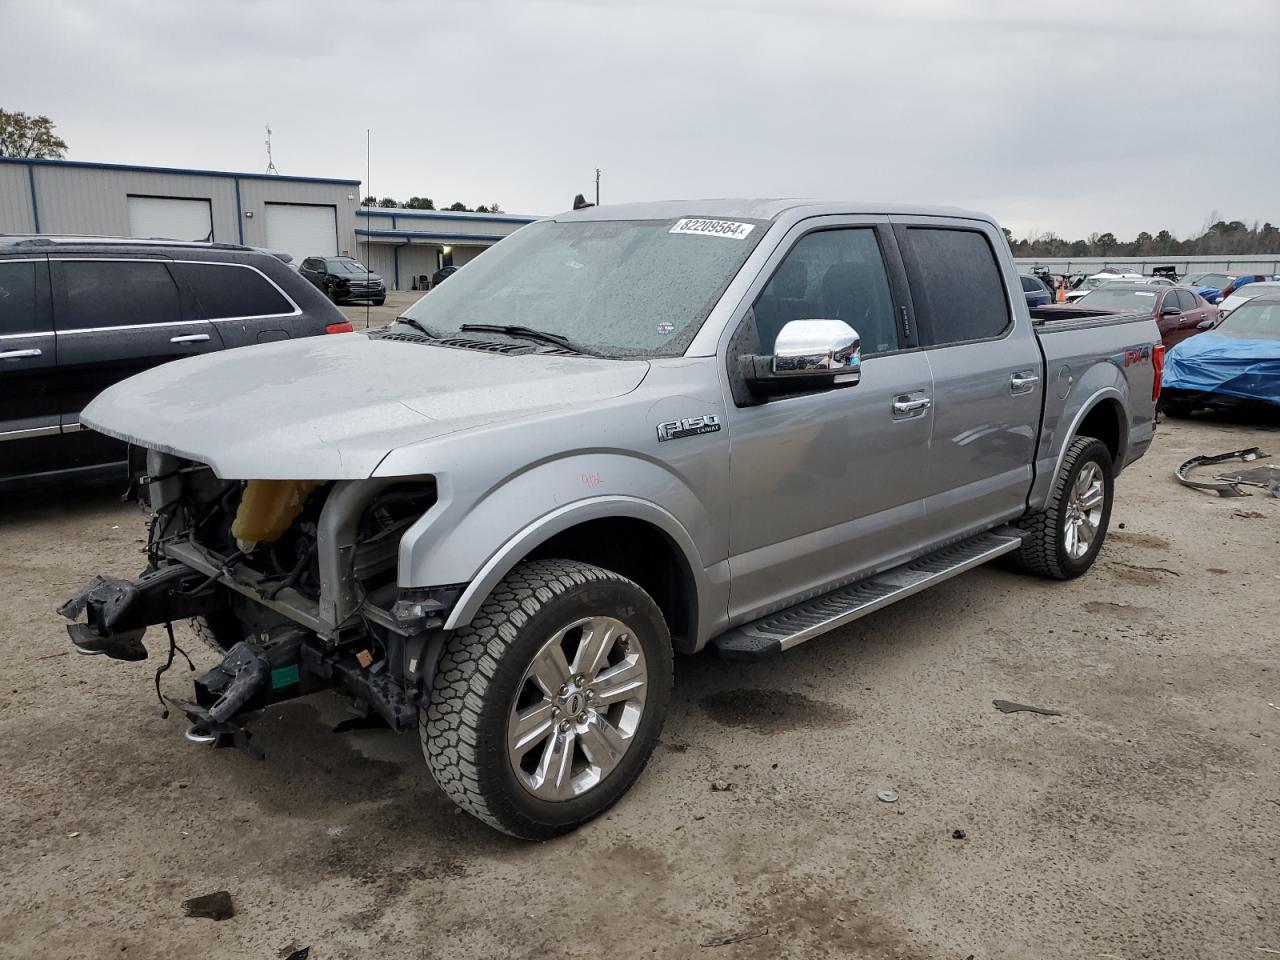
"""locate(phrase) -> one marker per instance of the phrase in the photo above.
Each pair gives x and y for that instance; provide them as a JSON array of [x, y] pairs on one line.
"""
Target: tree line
[[426, 203], [1217, 237]]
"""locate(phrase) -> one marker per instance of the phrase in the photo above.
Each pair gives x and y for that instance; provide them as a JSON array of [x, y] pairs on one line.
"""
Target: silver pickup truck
[[623, 433]]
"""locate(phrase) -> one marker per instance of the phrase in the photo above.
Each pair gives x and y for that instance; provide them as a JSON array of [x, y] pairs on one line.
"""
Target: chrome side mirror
[[807, 355], [830, 348]]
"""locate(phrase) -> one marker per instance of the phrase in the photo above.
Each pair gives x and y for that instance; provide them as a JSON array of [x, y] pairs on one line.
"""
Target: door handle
[[190, 338], [19, 354], [911, 406], [1023, 382]]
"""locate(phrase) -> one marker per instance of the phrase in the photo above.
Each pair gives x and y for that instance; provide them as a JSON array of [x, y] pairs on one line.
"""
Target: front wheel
[[1063, 540], [546, 707]]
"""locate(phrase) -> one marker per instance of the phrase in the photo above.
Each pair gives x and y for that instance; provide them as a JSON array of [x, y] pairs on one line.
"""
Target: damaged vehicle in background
[[1179, 311], [495, 521], [1236, 365]]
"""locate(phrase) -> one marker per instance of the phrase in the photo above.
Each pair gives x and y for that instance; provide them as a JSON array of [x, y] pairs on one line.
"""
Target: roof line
[[429, 235], [443, 215], [135, 168]]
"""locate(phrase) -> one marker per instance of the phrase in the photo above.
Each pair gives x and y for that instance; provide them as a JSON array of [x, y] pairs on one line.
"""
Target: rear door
[[114, 318], [987, 376], [28, 411], [242, 302]]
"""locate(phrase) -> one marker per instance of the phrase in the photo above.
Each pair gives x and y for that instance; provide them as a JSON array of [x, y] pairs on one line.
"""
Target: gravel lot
[[1143, 823], [397, 300]]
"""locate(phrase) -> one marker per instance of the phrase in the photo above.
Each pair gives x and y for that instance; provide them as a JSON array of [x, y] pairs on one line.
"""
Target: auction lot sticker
[[714, 228]]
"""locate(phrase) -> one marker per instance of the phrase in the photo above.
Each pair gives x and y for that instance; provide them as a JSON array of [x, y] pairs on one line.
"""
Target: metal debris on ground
[[301, 954], [1266, 476], [210, 906], [1008, 706], [887, 796], [1248, 514], [735, 937], [959, 835]]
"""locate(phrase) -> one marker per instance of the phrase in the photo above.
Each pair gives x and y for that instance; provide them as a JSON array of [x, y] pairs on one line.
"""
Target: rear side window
[[117, 293], [17, 297], [1188, 300], [831, 275], [224, 290], [1030, 285], [956, 274]]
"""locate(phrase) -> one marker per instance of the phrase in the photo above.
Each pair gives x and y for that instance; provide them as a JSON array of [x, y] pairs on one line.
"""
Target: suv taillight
[[343, 326], [1157, 362]]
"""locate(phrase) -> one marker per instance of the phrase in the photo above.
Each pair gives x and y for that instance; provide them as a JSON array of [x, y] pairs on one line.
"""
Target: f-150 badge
[[688, 427]]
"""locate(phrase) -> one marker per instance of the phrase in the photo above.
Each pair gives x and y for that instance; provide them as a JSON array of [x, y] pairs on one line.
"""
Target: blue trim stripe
[[239, 212], [86, 165], [395, 213], [428, 235], [35, 206]]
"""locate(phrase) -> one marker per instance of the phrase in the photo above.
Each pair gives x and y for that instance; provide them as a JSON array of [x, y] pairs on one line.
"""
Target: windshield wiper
[[418, 325], [515, 330]]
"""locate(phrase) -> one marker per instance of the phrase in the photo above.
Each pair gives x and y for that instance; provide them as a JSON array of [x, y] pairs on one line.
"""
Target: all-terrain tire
[[1044, 548], [464, 727]]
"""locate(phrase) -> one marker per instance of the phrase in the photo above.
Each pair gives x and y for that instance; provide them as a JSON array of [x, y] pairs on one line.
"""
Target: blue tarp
[[1213, 363]]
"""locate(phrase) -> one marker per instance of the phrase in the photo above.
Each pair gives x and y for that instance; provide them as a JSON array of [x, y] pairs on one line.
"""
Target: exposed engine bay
[[294, 581]]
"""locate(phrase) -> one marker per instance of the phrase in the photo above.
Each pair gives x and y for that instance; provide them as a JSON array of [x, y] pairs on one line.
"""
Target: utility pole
[[597, 186]]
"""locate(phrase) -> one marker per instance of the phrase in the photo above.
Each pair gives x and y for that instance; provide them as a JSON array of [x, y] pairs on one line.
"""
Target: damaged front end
[[294, 581]]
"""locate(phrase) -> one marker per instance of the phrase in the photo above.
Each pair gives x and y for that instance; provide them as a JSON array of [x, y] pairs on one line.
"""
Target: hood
[[1211, 362], [332, 407]]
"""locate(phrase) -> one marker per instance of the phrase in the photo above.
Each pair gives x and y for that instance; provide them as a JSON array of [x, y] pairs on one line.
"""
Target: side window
[[224, 291], [1186, 300], [17, 297], [831, 275], [1030, 285], [116, 293], [957, 276]]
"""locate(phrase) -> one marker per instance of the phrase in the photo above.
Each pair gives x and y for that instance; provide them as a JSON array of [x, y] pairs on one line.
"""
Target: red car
[[1180, 311]]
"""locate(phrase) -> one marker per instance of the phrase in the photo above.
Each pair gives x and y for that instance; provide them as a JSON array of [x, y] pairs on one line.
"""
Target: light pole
[[597, 186]]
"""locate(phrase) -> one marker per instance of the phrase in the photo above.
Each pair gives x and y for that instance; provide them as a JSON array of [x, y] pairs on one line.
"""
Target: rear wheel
[[1063, 540], [547, 706]]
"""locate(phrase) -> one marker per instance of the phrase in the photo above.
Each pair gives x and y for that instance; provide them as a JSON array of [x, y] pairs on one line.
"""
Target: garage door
[[169, 218], [304, 230]]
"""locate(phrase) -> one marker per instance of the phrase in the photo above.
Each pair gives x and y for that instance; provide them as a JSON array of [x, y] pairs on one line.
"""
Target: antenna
[[597, 186], [368, 179], [271, 164]]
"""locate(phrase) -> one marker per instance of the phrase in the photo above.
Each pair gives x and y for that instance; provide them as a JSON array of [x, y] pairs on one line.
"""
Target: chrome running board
[[804, 621]]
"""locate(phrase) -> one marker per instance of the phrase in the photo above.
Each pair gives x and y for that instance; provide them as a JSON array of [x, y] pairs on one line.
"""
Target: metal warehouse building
[[406, 245], [302, 216]]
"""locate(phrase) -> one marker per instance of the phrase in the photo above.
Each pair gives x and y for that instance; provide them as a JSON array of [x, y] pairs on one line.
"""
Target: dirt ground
[[1142, 823]]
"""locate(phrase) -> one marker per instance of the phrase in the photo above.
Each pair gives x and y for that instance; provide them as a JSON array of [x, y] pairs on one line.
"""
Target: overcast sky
[[1122, 115]]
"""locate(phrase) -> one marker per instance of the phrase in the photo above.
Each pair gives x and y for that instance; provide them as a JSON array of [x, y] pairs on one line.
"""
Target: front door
[[28, 411], [827, 485], [986, 367]]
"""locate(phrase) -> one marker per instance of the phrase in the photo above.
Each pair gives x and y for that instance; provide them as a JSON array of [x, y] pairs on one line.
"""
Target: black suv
[[79, 314], [344, 279]]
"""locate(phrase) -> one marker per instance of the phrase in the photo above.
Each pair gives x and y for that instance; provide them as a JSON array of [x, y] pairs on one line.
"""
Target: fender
[[596, 508], [1056, 441], [475, 535]]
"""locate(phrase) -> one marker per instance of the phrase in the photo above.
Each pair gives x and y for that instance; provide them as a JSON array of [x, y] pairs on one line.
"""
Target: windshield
[[1120, 298], [634, 288], [1215, 280], [1251, 290], [347, 266], [1252, 321]]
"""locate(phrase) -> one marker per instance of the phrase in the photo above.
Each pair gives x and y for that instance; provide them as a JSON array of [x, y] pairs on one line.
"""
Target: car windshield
[[1252, 321], [1215, 280], [634, 288], [1120, 298], [346, 266]]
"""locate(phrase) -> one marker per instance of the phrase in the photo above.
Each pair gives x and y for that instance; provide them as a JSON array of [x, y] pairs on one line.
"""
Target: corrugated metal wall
[[1261, 263], [15, 199], [255, 194], [75, 199]]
